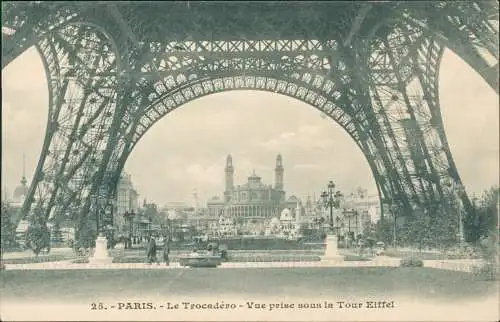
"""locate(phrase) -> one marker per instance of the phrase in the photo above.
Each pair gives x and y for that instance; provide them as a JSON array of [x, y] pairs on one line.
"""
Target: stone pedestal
[[331, 250], [101, 255]]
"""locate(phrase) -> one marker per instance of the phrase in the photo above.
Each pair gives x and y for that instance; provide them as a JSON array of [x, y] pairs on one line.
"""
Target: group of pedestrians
[[152, 249]]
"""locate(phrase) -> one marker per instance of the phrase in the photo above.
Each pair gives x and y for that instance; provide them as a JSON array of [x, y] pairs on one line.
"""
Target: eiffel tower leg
[[82, 111], [404, 88]]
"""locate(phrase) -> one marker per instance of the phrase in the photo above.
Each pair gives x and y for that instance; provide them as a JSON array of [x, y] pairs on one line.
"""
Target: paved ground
[[65, 265], [304, 281], [37, 293], [62, 262], [462, 265]]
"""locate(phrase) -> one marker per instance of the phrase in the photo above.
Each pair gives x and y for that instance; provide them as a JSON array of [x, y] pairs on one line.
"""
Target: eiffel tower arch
[[114, 69]]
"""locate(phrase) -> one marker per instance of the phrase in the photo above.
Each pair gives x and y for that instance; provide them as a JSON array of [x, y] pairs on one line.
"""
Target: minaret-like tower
[[278, 174], [196, 203], [298, 212], [229, 178], [23, 179]]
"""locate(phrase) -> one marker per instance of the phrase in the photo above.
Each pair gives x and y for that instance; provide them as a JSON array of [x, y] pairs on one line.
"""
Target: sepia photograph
[[250, 161]]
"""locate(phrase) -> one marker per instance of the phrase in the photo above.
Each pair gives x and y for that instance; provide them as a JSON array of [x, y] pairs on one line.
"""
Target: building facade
[[253, 201], [126, 201]]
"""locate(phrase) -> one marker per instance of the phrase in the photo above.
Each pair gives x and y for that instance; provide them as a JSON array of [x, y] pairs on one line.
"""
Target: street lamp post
[[356, 228], [171, 216], [394, 215], [349, 234], [331, 200], [98, 214], [458, 190], [129, 216], [169, 229]]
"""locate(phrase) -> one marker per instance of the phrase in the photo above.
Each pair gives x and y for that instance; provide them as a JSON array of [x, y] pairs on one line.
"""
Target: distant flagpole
[[24, 165]]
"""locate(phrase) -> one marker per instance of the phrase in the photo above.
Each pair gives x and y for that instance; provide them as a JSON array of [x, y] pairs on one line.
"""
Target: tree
[[384, 230], [85, 235], [484, 216], [57, 236], [487, 213], [444, 227], [8, 232], [369, 230], [418, 229], [38, 234]]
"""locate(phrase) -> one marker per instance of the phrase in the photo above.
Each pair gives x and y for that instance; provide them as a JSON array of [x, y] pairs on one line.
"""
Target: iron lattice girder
[[162, 22], [411, 117], [469, 28], [238, 20], [25, 23]]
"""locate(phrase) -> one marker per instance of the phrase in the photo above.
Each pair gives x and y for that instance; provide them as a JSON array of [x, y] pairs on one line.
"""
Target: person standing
[[166, 252], [151, 251]]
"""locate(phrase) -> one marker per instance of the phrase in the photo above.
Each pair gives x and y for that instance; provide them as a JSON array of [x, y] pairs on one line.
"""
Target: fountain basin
[[200, 260]]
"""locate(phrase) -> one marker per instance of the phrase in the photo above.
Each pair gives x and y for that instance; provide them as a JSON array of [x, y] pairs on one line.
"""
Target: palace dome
[[254, 179], [21, 191], [254, 176]]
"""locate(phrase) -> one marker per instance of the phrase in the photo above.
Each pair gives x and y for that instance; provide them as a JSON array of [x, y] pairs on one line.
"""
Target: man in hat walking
[[166, 252], [151, 251]]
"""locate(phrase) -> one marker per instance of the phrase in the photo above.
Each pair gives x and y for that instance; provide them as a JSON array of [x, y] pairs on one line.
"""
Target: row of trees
[[436, 229], [38, 236], [440, 227], [484, 220], [8, 229]]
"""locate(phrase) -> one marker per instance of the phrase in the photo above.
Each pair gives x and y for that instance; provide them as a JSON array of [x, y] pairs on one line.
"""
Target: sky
[[186, 150]]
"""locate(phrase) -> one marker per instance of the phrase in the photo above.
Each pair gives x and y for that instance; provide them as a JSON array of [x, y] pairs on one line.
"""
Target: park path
[[464, 265], [379, 261]]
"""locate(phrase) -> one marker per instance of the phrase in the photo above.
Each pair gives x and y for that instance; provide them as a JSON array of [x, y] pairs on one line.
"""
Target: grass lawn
[[77, 285]]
